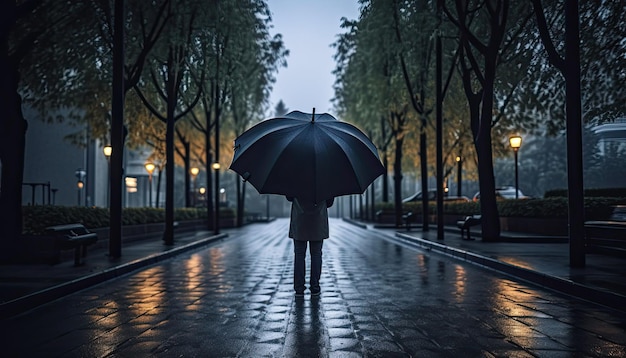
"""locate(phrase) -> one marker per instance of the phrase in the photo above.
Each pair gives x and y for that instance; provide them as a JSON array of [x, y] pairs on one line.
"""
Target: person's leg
[[315, 249], [299, 250]]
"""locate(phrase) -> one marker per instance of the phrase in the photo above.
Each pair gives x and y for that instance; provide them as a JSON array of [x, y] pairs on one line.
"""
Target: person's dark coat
[[309, 221]]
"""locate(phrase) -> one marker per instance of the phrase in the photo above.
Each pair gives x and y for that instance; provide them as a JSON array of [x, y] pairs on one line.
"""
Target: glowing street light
[[459, 172], [80, 184], [216, 167], [150, 169], [107, 151], [194, 171], [516, 142], [107, 154]]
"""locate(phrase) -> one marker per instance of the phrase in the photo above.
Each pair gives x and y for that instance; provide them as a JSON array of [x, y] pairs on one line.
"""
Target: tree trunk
[[424, 174], [158, 188], [117, 136], [241, 195], [190, 193], [575, 192], [12, 146], [490, 221], [171, 90], [168, 234], [397, 181], [209, 178], [385, 183]]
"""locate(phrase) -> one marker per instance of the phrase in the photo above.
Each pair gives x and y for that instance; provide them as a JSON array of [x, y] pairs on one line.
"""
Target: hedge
[[602, 193], [596, 208], [37, 218]]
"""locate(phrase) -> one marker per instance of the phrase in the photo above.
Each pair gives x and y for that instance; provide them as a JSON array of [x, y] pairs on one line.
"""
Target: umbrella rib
[[330, 132]]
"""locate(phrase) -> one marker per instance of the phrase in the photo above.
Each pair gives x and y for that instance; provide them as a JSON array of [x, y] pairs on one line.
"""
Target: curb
[[504, 237], [355, 223], [561, 285], [33, 300]]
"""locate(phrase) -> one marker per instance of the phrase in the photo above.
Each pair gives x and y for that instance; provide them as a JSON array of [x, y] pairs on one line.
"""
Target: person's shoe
[[316, 293], [299, 294]]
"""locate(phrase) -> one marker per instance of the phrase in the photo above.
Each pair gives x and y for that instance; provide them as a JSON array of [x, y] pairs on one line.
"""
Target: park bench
[[72, 237], [466, 224], [607, 236], [389, 217]]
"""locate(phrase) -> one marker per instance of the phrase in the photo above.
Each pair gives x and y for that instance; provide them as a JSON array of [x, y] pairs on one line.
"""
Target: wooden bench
[[72, 237], [607, 236], [466, 224]]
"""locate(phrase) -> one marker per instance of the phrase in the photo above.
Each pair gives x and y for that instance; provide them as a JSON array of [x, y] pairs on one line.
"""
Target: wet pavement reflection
[[379, 298]]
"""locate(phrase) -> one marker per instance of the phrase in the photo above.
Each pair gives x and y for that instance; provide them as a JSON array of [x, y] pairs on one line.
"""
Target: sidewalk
[[26, 286], [603, 280], [540, 260]]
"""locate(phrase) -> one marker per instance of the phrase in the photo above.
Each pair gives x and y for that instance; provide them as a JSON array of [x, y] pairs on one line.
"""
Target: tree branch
[[419, 108], [135, 71], [148, 105], [553, 56]]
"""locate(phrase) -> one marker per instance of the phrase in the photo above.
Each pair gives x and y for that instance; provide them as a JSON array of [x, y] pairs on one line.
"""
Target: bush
[[453, 208], [596, 208], [534, 208], [589, 193], [37, 218]]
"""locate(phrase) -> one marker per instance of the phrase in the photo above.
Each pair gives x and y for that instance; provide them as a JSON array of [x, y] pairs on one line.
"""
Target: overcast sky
[[309, 27]]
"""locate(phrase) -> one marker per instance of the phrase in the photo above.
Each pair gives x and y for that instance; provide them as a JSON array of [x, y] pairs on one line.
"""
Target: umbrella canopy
[[310, 157]]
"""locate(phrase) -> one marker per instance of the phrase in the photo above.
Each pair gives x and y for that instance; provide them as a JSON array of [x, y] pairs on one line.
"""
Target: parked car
[[505, 192], [432, 196]]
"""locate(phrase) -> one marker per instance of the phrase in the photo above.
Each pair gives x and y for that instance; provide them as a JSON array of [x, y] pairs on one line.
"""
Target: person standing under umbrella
[[308, 226]]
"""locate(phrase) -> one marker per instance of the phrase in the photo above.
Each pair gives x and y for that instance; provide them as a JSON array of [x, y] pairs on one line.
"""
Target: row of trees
[[503, 72], [188, 69]]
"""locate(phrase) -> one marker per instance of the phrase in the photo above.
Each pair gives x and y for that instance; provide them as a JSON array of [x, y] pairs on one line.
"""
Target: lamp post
[[202, 191], [459, 174], [194, 171], [80, 186], [516, 142], [216, 167], [107, 154], [150, 169], [80, 175]]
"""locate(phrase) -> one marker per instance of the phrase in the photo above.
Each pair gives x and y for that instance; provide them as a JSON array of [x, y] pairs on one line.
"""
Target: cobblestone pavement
[[379, 298]]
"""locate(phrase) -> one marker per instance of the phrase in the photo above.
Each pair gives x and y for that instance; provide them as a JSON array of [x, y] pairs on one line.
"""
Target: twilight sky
[[309, 27]]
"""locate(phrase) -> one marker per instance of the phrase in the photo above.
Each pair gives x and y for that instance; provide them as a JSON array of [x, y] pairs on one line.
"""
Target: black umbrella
[[310, 157]]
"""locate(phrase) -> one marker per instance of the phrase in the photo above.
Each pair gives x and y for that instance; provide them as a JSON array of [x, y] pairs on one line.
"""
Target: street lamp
[[202, 191], [80, 175], [458, 175], [216, 222], [107, 151], [107, 154], [194, 171], [150, 169], [516, 142], [80, 186]]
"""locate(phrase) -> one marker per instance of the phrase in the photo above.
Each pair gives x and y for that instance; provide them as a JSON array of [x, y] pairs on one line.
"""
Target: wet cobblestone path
[[379, 298]]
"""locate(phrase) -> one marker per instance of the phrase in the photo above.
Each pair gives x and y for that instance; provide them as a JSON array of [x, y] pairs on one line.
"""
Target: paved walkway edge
[[568, 287], [25, 303]]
